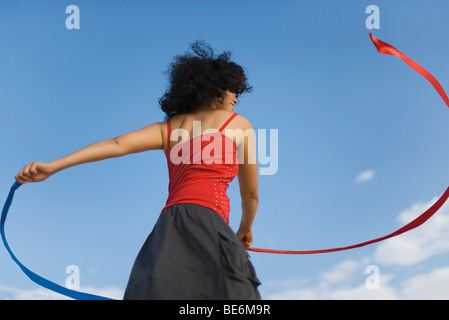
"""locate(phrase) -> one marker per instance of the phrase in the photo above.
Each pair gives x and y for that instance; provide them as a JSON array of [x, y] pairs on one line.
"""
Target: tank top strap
[[227, 121]]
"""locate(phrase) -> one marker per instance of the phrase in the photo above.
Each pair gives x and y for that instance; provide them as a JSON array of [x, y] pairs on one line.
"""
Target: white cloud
[[433, 285], [417, 245], [337, 284], [365, 176], [11, 293], [343, 271]]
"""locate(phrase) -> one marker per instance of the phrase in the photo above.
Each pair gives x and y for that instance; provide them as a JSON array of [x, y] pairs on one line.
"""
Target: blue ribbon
[[33, 276]]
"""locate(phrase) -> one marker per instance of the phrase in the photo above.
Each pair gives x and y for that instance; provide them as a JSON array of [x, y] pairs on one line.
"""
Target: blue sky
[[340, 108]]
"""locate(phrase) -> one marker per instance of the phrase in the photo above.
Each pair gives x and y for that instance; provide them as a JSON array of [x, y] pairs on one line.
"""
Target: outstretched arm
[[147, 138]]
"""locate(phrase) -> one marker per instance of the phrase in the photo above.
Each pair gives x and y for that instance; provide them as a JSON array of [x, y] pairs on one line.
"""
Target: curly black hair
[[197, 78]]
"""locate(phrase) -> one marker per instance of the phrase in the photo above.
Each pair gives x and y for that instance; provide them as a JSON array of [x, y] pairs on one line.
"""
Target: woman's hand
[[34, 172], [246, 236]]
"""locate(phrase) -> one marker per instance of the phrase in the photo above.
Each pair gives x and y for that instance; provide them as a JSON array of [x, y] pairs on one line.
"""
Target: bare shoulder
[[243, 122]]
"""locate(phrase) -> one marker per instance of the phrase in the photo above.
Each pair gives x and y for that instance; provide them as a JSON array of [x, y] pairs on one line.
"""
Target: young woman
[[192, 253]]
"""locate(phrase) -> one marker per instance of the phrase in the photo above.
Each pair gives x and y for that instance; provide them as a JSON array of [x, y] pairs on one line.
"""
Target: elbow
[[114, 141], [119, 151], [251, 196]]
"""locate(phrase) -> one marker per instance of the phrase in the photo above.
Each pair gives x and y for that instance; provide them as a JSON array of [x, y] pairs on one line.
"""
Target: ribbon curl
[[385, 48]]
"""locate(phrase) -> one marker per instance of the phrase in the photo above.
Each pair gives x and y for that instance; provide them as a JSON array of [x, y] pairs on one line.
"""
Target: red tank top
[[201, 169]]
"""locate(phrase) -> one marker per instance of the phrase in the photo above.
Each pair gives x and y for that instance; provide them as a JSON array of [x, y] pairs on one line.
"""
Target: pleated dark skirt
[[192, 254]]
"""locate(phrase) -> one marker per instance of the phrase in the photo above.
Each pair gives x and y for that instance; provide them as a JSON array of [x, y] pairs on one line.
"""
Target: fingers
[[20, 179], [246, 242], [32, 170], [246, 245], [246, 237], [27, 173]]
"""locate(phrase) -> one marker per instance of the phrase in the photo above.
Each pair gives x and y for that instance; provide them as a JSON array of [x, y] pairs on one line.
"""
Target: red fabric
[[201, 169], [385, 48]]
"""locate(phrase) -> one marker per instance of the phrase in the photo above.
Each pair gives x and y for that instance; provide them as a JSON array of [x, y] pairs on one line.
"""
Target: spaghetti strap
[[227, 121]]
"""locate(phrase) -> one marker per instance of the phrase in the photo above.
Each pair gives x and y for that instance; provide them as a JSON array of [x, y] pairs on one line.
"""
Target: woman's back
[[199, 122], [203, 163]]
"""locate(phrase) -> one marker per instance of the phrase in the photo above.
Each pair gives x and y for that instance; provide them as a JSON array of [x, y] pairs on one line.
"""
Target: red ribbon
[[385, 48]]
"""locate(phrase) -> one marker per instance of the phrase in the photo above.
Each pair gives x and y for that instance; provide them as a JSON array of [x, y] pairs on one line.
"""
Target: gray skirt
[[192, 254]]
